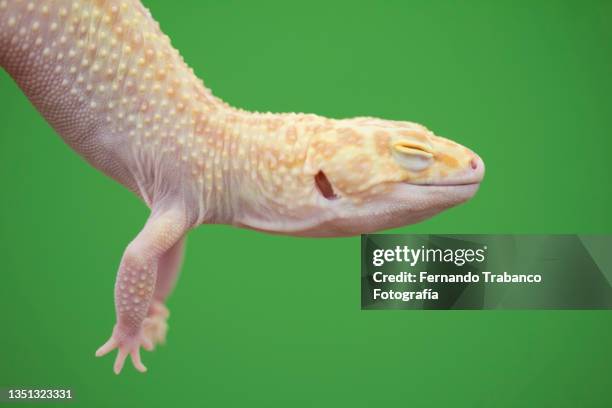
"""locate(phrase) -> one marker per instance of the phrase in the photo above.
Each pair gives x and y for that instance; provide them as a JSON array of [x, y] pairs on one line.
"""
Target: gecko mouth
[[462, 191], [444, 184]]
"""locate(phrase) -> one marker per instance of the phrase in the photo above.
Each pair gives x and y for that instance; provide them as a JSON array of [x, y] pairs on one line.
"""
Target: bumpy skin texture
[[109, 82]]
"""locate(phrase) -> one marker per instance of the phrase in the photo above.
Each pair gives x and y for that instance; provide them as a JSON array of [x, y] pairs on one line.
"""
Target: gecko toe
[[106, 347], [135, 354], [121, 355]]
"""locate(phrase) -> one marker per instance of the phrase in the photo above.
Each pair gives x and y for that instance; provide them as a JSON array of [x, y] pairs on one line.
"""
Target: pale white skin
[[109, 82]]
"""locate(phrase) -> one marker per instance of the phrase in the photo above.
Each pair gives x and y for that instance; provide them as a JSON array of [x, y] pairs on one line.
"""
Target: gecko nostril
[[474, 163]]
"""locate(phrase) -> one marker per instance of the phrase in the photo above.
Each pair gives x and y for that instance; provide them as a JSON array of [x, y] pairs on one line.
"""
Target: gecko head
[[371, 174]]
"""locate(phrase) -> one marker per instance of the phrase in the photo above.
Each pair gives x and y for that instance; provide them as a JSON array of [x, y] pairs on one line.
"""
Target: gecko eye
[[324, 186], [412, 156]]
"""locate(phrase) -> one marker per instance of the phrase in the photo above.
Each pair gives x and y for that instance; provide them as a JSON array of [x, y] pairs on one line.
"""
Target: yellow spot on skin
[[326, 149], [350, 137], [382, 143], [447, 160]]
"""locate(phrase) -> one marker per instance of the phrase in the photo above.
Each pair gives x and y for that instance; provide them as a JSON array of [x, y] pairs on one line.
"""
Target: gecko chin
[[403, 205]]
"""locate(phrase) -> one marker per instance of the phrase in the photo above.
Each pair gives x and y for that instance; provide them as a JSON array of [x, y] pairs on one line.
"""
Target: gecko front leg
[[155, 325], [136, 282]]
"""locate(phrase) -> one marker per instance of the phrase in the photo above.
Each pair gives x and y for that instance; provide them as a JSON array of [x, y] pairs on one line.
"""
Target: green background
[[262, 320]]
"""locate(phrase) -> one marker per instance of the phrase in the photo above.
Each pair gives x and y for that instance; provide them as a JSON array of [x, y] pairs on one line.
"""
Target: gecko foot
[[126, 343], [155, 326]]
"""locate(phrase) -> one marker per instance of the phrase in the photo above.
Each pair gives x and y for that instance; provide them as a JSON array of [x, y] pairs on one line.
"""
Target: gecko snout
[[478, 168], [473, 172]]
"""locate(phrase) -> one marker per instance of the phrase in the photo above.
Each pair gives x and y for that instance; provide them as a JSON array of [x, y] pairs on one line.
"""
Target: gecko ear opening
[[324, 186]]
